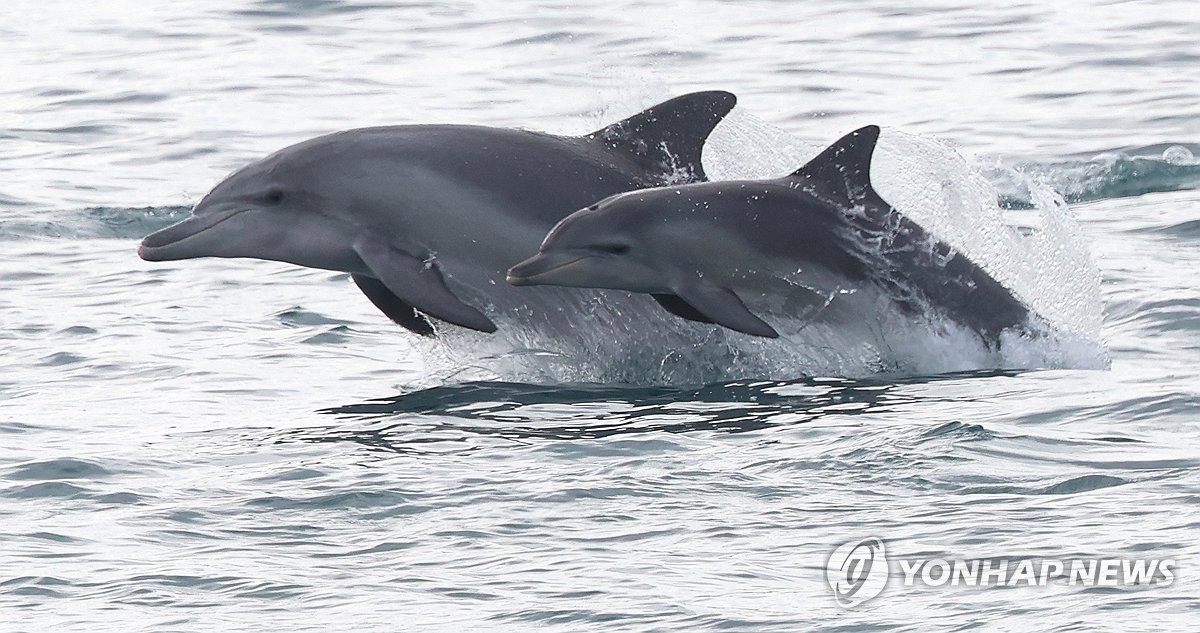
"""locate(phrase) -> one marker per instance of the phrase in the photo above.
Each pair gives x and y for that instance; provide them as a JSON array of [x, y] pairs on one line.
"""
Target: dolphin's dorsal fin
[[667, 139], [843, 169]]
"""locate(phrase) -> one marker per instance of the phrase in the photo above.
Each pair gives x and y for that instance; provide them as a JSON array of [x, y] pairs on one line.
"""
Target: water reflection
[[523, 412]]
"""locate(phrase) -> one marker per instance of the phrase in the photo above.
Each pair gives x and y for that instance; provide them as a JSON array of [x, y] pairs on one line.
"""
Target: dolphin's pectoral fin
[[394, 307], [419, 284], [666, 140], [723, 307], [680, 308]]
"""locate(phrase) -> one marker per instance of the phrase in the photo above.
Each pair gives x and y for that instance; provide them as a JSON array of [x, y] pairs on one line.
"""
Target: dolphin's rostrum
[[422, 214]]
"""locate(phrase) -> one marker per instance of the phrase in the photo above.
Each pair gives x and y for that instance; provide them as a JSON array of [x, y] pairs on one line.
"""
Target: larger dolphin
[[427, 218], [812, 244]]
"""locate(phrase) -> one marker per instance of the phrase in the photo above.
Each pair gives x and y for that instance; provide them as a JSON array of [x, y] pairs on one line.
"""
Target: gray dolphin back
[[658, 146], [909, 256]]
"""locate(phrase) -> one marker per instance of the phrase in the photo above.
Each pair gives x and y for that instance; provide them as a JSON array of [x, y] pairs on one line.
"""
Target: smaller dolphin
[[791, 245]]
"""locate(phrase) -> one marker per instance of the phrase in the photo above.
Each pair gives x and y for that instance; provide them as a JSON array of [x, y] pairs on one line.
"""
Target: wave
[[1113, 174], [123, 223], [1190, 228], [733, 407]]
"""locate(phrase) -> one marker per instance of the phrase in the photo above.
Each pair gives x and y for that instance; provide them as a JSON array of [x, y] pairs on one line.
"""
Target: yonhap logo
[[857, 571]]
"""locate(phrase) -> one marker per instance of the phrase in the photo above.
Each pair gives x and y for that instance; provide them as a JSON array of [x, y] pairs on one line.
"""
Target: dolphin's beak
[[172, 242], [540, 268]]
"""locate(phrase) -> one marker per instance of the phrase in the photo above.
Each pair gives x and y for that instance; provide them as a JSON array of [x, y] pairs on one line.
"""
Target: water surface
[[246, 445]]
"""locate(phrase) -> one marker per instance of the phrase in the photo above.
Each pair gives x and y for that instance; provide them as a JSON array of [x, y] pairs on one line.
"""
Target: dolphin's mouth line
[[520, 280], [181, 232]]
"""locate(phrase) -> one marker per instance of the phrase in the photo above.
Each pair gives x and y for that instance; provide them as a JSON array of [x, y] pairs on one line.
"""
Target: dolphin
[[802, 245], [427, 218]]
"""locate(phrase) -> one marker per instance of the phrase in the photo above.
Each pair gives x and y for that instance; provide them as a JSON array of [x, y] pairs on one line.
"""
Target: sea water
[[245, 446]]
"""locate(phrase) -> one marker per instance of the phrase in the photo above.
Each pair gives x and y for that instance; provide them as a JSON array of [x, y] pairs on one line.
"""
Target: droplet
[[1178, 155]]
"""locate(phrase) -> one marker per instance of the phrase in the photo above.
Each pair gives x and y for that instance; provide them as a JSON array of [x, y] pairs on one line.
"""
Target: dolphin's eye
[[615, 249], [274, 195]]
